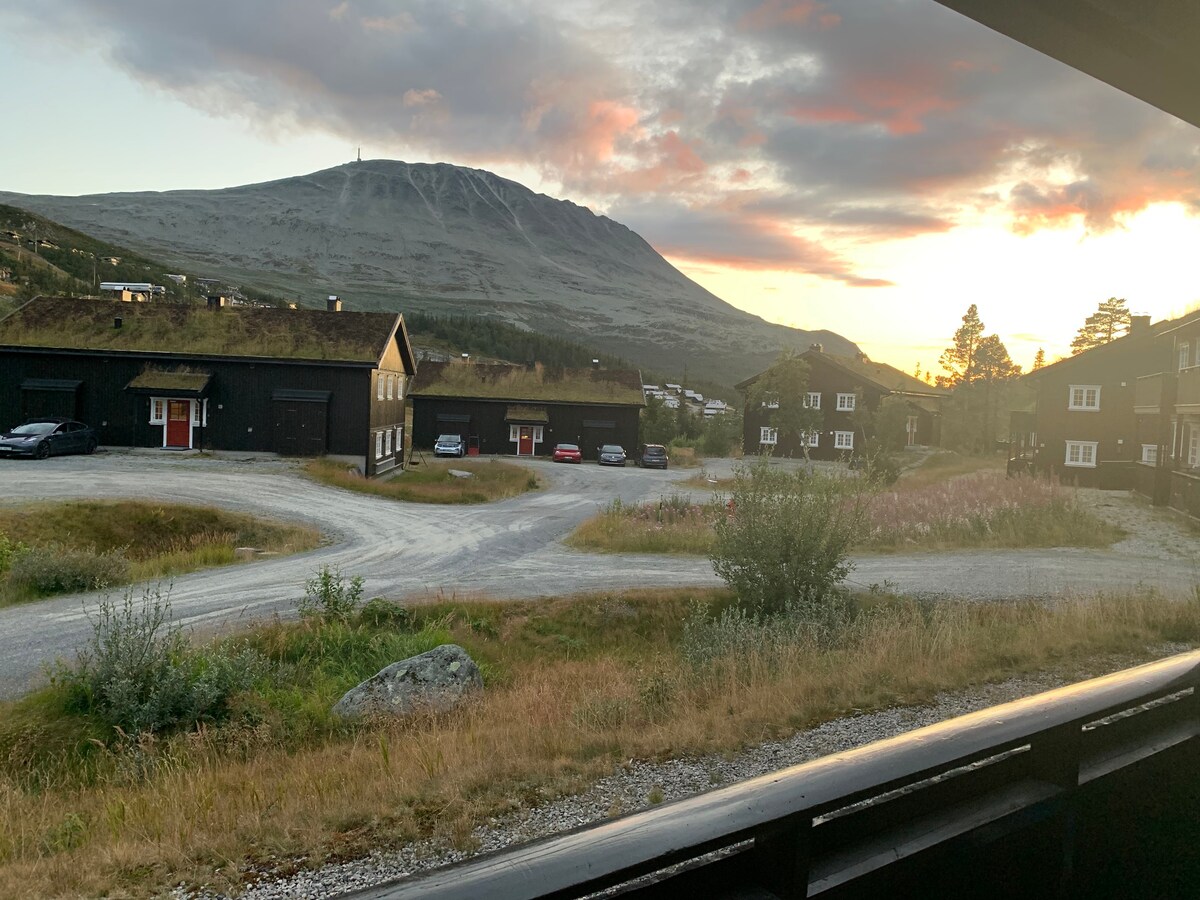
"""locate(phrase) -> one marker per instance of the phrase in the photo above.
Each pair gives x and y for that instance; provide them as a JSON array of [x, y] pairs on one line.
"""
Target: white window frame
[[845, 403], [400, 440], [387, 442], [391, 387], [1193, 456], [514, 433], [1077, 398], [814, 439], [379, 386], [770, 404], [1150, 454], [768, 435], [158, 410], [812, 400], [1084, 453], [379, 445], [1185, 355], [843, 440], [196, 414]]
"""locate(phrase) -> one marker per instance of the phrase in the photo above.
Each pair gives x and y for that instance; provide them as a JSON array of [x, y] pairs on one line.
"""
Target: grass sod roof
[[70, 323], [883, 375], [179, 380], [622, 387]]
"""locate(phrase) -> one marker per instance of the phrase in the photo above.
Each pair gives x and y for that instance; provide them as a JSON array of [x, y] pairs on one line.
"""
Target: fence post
[[781, 856], [1055, 759]]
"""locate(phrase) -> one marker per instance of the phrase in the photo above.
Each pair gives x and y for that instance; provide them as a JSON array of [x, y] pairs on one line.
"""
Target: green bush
[[57, 569], [329, 597], [785, 544], [9, 550], [380, 613], [138, 673]]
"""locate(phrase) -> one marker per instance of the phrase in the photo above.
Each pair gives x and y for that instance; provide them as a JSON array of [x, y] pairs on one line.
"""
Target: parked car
[[612, 455], [652, 456], [450, 445], [567, 453], [48, 437]]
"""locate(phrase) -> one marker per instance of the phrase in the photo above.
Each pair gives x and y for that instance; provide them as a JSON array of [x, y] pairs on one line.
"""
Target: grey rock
[[438, 679], [459, 473]]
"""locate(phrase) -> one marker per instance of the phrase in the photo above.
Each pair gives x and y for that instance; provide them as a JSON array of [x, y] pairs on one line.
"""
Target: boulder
[[438, 680]]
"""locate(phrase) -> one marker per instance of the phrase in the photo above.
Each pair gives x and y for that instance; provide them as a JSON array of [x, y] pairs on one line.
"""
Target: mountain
[[443, 239]]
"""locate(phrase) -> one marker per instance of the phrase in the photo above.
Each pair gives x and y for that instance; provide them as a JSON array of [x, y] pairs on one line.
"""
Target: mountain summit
[[443, 239]]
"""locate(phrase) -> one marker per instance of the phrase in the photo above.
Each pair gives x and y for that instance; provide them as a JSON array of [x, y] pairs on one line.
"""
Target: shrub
[[57, 569], [380, 613], [138, 673], [786, 541], [9, 550], [329, 597]]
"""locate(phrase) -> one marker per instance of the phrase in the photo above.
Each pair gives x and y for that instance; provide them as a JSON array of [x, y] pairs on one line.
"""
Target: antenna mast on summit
[[360, 154]]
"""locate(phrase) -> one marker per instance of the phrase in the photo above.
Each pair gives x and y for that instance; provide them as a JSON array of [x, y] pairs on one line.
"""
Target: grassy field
[[961, 502], [124, 541], [574, 687], [432, 482]]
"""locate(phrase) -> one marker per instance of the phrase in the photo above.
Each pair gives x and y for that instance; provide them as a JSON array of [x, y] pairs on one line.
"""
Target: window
[[813, 400], [379, 385], [1185, 358], [771, 403], [1193, 447], [514, 432], [1150, 454], [391, 387], [196, 413], [399, 441], [768, 435], [537, 433], [1084, 396], [1081, 453], [845, 403], [814, 438], [843, 440], [158, 408], [387, 443], [379, 445]]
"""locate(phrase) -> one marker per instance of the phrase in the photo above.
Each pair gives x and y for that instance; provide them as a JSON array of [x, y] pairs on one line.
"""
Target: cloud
[[762, 132]]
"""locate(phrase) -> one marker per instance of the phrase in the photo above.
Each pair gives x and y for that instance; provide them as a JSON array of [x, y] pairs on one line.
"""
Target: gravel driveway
[[511, 548]]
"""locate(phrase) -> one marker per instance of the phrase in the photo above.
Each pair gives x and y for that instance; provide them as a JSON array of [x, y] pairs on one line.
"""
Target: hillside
[[445, 240]]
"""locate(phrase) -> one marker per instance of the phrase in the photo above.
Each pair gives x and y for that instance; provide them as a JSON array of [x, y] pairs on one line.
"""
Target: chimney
[[334, 303], [816, 348], [216, 301], [1139, 324], [116, 321]]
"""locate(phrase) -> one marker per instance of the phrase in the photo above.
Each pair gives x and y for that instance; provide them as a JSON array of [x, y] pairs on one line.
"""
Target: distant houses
[[836, 385]]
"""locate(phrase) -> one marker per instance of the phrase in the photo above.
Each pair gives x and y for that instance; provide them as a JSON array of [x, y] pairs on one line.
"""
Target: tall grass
[[432, 481], [572, 687], [90, 544], [673, 524]]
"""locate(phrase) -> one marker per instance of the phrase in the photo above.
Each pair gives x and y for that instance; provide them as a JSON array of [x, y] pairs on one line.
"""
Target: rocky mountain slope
[[443, 239]]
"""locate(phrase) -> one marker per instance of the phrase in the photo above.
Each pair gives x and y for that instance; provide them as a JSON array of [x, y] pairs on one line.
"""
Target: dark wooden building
[[526, 410], [836, 385], [299, 382], [1083, 427]]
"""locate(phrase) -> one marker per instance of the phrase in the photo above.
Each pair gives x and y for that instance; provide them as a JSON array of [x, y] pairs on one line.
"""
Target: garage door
[[301, 422], [45, 397]]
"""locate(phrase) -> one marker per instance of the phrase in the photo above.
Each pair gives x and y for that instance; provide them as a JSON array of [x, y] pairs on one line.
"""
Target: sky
[[867, 166]]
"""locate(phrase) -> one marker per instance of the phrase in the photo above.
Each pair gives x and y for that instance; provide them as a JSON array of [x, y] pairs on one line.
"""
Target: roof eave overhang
[[212, 357]]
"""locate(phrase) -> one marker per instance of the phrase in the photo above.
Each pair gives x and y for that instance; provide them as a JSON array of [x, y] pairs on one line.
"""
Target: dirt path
[[509, 549]]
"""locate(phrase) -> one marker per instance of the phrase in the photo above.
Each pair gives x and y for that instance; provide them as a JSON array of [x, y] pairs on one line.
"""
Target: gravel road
[[508, 549]]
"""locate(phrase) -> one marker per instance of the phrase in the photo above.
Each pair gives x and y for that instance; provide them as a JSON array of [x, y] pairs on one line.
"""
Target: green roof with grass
[[69, 323], [545, 384]]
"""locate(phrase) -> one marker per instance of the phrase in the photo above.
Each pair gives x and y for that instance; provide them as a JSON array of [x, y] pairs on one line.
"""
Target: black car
[[48, 437], [653, 456], [612, 455]]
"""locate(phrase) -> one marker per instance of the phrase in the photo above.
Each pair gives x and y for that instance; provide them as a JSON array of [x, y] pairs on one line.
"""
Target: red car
[[567, 453]]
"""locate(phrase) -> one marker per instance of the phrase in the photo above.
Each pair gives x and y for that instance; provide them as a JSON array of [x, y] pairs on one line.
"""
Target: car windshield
[[567, 447], [449, 439], [611, 448], [654, 451], [34, 428]]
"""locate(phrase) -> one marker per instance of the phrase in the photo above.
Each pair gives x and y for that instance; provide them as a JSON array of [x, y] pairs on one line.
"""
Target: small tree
[[782, 391], [785, 544], [959, 359], [1039, 359], [1110, 320]]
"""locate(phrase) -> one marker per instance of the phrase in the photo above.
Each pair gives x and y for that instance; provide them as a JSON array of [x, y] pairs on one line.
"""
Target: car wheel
[[43, 450], [91, 447]]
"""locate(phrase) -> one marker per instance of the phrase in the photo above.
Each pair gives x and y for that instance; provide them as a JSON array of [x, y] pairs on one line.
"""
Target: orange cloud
[[773, 13], [607, 122]]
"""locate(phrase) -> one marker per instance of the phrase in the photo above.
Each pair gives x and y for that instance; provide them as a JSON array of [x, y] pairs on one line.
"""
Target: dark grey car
[[612, 455], [48, 437]]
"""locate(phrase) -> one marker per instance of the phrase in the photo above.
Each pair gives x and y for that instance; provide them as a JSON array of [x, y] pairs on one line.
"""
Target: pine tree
[[1039, 359], [959, 360], [1110, 320]]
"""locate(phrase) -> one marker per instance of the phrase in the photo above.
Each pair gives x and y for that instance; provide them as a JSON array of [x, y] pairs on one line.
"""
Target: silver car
[[449, 445]]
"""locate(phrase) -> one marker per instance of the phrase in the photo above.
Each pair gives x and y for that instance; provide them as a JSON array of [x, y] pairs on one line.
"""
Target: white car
[[449, 445]]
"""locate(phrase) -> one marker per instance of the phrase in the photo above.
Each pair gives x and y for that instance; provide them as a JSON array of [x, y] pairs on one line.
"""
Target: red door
[[179, 423], [525, 441]]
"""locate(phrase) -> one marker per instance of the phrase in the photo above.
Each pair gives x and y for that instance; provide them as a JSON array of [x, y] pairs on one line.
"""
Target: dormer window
[[1084, 397]]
